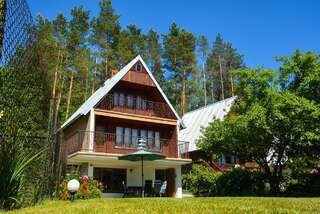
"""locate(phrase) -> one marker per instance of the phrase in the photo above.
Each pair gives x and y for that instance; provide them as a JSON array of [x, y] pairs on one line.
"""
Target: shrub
[[201, 180], [241, 182], [304, 184], [89, 188]]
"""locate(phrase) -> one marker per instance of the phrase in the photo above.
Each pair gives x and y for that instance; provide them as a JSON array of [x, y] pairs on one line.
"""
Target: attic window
[[138, 67]]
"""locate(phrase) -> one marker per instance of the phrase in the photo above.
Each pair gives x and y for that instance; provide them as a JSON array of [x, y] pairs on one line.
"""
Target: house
[[129, 106], [195, 121]]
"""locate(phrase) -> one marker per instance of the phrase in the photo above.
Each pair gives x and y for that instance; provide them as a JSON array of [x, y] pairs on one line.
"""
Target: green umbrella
[[142, 155]]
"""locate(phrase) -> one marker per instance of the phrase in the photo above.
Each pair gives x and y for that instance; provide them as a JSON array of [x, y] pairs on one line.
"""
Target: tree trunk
[[212, 92], [94, 76], [69, 95], [183, 95], [232, 89], [58, 103], [56, 76], [58, 99], [106, 66], [87, 83], [204, 85], [221, 79]]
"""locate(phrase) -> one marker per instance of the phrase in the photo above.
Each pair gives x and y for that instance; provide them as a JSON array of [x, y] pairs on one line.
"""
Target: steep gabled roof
[[92, 101], [200, 118]]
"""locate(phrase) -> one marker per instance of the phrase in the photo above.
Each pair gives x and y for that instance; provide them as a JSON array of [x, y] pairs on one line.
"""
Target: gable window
[[138, 67]]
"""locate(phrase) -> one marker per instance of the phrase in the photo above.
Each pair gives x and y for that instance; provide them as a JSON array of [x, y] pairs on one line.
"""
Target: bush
[[241, 182], [89, 188], [304, 184], [201, 180]]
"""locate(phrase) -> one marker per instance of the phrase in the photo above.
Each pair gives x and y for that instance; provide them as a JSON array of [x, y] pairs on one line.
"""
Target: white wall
[[134, 177]]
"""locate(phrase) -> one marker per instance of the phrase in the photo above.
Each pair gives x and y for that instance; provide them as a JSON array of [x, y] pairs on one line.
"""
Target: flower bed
[[89, 188]]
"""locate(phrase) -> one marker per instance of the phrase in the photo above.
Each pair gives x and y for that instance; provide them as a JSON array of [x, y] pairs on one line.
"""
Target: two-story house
[[129, 106]]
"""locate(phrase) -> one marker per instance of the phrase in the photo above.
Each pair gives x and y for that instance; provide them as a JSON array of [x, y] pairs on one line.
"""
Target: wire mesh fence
[[15, 20]]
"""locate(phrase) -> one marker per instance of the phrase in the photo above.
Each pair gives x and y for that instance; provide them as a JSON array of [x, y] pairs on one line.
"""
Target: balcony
[[117, 144], [183, 149], [136, 106]]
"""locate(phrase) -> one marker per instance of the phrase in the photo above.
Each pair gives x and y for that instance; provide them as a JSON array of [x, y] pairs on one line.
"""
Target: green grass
[[170, 205]]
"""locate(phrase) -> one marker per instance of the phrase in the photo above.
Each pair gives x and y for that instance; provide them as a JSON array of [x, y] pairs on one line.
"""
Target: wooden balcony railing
[[133, 105], [117, 144], [183, 149]]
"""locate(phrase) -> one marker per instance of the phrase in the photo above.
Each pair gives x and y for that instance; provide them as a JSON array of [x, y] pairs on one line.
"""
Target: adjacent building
[[199, 119]]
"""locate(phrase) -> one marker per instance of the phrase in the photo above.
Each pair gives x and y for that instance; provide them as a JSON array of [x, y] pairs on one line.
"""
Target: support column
[[90, 170], [91, 130], [178, 182]]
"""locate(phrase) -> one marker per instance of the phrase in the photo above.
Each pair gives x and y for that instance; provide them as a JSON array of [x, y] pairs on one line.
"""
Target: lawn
[[171, 205]]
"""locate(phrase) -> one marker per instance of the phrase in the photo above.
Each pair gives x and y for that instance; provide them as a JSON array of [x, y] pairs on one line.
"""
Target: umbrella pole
[[142, 192]]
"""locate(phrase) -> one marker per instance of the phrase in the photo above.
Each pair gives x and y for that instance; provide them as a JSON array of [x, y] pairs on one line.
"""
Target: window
[[130, 101], [150, 138], [138, 102], [139, 67], [134, 137], [127, 137], [143, 134], [115, 98], [119, 135], [121, 99], [144, 104], [157, 139]]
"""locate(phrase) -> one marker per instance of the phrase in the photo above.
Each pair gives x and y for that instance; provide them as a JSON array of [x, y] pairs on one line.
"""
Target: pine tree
[[179, 56], [203, 50], [131, 43], [105, 33], [77, 39], [222, 59], [154, 53]]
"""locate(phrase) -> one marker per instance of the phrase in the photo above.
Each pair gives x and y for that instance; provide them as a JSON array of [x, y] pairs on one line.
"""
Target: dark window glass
[[121, 99], [138, 67], [115, 99]]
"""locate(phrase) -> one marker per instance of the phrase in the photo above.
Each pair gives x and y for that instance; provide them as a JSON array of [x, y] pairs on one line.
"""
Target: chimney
[[113, 72]]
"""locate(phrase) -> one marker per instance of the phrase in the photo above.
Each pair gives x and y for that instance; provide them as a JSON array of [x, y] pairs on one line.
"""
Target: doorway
[[169, 176], [111, 178]]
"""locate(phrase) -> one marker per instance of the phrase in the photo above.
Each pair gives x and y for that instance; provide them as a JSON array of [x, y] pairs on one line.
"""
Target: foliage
[[13, 174], [180, 58], [269, 125], [304, 184], [23, 124], [201, 180], [221, 61], [89, 188], [241, 182], [188, 205]]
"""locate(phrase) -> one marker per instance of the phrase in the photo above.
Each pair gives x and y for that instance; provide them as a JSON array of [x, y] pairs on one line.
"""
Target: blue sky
[[259, 29]]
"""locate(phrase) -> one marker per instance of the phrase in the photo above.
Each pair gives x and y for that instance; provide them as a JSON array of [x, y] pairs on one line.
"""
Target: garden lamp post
[[73, 186]]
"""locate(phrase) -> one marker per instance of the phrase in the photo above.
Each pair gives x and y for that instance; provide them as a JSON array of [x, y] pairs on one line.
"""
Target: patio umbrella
[[142, 155]]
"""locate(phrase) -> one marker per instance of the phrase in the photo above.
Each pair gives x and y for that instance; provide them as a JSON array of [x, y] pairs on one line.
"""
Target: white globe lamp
[[73, 186]]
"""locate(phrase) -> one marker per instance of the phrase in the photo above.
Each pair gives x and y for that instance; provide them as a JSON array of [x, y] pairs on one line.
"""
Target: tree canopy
[[273, 122]]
